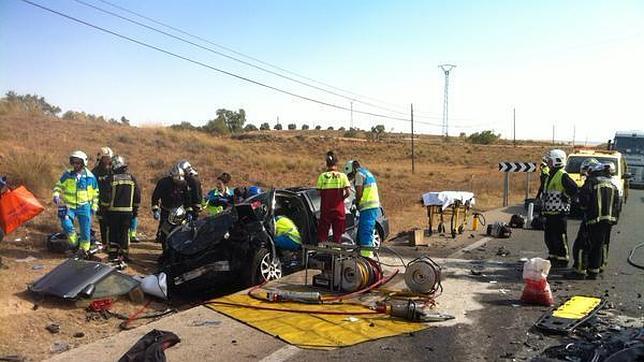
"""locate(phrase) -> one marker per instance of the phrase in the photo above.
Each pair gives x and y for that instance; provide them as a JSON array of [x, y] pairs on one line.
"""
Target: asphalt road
[[503, 329], [491, 323]]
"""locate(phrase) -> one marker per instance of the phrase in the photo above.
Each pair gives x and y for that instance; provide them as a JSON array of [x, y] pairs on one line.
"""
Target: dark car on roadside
[[236, 246]]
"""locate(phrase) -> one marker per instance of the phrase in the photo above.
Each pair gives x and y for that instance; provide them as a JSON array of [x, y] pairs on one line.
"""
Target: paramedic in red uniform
[[334, 187]]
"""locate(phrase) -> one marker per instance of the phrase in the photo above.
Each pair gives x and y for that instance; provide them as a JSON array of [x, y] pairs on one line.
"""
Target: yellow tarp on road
[[314, 330]]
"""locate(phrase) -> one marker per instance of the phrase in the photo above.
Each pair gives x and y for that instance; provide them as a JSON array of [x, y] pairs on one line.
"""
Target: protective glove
[[189, 217], [56, 199], [156, 214]]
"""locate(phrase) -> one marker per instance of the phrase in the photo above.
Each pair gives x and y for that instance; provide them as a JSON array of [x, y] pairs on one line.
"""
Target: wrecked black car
[[236, 246]]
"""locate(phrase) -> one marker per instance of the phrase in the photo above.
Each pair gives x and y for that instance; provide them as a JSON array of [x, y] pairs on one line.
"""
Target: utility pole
[[553, 133], [413, 155], [446, 68], [351, 127], [514, 126], [574, 131]]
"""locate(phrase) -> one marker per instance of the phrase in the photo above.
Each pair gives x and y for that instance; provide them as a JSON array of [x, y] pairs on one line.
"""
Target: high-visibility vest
[[370, 198], [286, 226], [75, 192], [555, 200], [332, 180]]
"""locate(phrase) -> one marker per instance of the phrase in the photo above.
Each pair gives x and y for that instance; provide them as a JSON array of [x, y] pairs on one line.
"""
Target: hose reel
[[423, 276]]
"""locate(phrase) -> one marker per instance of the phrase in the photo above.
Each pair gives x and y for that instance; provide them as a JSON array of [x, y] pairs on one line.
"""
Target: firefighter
[[170, 192], [102, 171], [600, 199], [580, 246], [367, 202], [333, 187], [76, 194], [121, 204], [194, 186], [558, 191]]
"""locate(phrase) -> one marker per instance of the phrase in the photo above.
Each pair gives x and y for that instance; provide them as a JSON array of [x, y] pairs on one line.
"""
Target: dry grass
[[37, 150]]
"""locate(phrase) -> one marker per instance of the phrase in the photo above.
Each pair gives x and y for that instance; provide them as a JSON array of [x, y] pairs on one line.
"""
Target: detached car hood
[[74, 278]]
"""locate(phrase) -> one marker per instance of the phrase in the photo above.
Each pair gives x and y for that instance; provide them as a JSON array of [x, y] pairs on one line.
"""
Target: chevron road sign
[[517, 166]]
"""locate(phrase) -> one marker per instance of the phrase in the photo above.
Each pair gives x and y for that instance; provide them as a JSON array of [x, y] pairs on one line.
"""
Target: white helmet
[[348, 167], [177, 174], [118, 162], [105, 152], [79, 155], [187, 167], [610, 167], [557, 158], [587, 166]]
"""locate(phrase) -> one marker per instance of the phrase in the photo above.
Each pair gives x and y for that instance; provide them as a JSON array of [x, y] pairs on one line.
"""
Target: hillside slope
[[34, 150]]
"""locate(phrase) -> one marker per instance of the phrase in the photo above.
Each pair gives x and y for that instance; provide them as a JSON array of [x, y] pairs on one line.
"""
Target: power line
[[167, 52], [417, 114], [233, 58]]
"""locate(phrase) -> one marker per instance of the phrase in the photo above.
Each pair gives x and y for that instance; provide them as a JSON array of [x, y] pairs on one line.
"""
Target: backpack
[[499, 230]]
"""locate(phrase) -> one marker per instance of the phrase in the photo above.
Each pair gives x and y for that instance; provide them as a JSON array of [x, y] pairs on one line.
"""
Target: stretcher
[[453, 205]]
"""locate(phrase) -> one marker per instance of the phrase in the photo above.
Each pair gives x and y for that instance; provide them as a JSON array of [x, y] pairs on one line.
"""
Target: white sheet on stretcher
[[447, 198]]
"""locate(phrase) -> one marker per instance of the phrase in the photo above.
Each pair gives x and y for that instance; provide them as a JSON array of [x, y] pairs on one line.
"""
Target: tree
[[377, 132], [250, 127], [234, 121], [29, 103], [216, 126], [292, 126], [125, 121], [484, 138], [330, 128], [277, 127], [352, 132], [265, 127], [318, 127], [341, 129], [305, 127]]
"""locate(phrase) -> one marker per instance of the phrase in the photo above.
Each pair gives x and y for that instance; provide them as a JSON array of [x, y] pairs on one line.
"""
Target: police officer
[[600, 199], [367, 200], [76, 194], [558, 190], [121, 203], [102, 171], [170, 192]]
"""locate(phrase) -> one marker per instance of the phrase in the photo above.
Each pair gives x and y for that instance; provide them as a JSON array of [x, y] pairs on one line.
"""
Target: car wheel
[[264, 268]]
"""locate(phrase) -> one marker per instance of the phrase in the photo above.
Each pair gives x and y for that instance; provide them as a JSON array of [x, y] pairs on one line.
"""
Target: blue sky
[[571, 63]]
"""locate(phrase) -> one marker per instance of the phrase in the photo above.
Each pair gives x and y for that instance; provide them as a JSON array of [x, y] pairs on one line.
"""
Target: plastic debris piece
[[351, 319], [205, 323], [37, 267], [493, 282]]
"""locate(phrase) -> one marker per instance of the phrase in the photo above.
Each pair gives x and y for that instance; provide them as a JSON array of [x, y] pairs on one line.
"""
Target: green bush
[[484, 138]]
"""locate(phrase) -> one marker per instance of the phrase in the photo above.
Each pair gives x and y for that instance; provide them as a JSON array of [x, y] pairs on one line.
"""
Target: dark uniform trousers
[[580, 248], [556, 237], [599, 234], [118, 232]]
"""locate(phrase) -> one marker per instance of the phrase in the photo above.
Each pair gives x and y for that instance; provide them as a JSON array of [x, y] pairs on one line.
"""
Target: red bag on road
[[536, 289], [16, 207]]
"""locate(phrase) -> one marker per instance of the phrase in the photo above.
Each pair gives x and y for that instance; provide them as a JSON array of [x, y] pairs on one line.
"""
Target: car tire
[[262, 269]]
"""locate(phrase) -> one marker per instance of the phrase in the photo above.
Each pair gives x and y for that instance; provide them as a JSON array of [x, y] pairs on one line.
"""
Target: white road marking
[[281, 354], [468, 248]]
